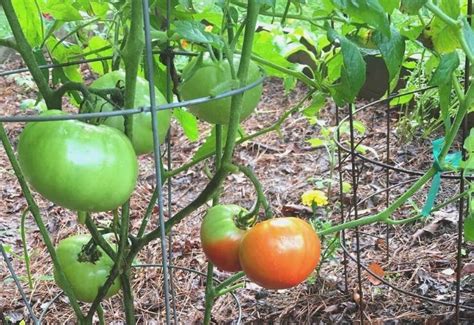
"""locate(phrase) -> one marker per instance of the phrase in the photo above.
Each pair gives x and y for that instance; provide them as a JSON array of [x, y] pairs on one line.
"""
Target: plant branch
[[261, 199], [9, 42], [26, 52], [274, 127], [132, 54], [230, 280], [98, 238]]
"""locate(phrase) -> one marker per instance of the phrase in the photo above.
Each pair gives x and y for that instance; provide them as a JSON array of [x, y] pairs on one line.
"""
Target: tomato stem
[[210, 293], [230, 280], [27, 53], [230, 289], [98, 238], [100, 314]]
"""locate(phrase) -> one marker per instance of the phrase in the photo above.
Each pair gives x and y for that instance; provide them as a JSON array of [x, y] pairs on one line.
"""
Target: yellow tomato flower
[[314, 196]]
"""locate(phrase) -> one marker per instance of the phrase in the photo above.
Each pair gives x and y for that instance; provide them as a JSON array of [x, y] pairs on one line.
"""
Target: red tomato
[[220, 237], [280, 253]]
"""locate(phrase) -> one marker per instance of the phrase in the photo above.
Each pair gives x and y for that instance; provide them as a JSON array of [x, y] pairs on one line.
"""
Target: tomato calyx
[[89, 253], [245, 220]]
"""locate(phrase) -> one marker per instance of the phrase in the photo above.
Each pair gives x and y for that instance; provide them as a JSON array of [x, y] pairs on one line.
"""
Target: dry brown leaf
[[440, 217], [467, 269], [377, 270], [380, 244], [292, 209]]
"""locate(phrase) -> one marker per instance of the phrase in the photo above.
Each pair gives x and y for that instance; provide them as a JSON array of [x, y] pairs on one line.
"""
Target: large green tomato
[[76, 165], [220, 237], [142, 138], [86, 274], [209, 79]]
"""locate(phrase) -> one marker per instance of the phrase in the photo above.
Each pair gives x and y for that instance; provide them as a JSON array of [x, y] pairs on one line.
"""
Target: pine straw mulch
[[422, 256]]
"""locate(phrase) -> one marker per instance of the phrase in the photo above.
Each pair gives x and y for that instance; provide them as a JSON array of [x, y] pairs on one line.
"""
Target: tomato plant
[[76, 165], [327, 36], [142, 138], [220, 237], [280, 253], [86, 271], [209, 78]]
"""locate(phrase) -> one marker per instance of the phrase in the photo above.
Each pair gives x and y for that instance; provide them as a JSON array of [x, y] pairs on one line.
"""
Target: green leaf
[[353, 71], [316, 142], [188, 122], [265, 48], [100, 8], [62, 10], [412, 7], [195, 32], [468, 34], [393, 51], [442, 34], [318, 101], [61, 54], [334, 66], [447, 65], [8, 249], [346, 187], [469, 227], [369, 11], [389, 5], [358, 127], [469, 142], [445, 102], [99, 47], [30, 21]]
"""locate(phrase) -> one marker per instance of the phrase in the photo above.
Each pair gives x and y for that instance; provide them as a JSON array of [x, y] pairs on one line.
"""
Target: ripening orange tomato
[[280, 253]]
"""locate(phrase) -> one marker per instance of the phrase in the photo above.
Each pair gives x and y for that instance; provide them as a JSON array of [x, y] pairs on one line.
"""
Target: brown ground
[[422, 256]]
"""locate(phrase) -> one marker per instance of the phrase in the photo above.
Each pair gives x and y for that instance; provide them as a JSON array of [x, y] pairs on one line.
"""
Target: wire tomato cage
[[347, 150]]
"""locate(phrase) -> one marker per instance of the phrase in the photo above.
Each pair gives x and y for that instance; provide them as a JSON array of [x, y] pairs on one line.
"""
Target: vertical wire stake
[[170, 238], [387, 175], [169, 98], [18, 285], [157, 156], [341, 199], [356, 216], [465, 126]]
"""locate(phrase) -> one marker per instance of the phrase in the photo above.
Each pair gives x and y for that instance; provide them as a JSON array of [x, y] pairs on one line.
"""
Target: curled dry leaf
[[377, 270]]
